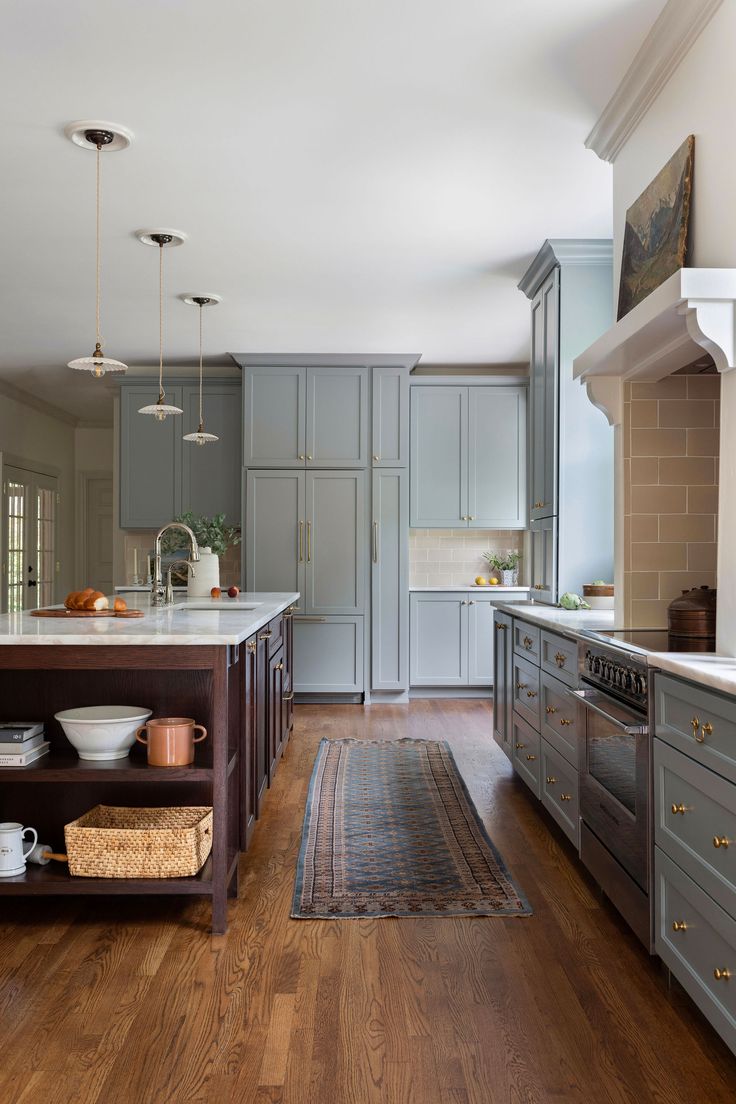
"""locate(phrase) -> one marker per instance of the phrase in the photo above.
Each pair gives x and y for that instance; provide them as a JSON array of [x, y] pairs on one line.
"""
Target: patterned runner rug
[[390, 830]]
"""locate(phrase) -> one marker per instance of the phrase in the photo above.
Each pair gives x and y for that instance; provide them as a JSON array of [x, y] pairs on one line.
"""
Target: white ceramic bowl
[[102, 731]]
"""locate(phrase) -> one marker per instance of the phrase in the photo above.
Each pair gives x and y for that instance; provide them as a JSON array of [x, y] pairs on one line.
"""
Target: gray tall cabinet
[[325, 455], [569, 284]]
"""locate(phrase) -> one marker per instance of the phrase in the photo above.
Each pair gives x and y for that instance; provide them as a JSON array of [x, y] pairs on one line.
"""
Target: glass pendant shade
[[97, 364], [160, 409], [200, 437]]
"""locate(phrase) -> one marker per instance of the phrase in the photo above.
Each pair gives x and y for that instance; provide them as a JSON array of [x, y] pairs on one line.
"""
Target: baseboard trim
[[388, 697], [451, 692], [328, 699]]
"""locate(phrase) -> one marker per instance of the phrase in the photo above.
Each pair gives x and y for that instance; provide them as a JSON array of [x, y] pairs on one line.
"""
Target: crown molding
[[671, 36], [29, 399], [326, 360], [564, 251]]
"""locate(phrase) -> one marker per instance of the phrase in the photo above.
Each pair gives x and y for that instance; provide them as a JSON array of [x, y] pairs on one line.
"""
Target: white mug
[[12, 854]]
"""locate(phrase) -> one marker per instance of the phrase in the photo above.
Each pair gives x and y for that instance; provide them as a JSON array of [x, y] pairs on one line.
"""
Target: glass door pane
[[45, 545], [16, 508], [30, 515]]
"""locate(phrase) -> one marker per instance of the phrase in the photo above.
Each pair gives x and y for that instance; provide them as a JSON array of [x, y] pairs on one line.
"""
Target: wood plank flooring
[[133, 1002]]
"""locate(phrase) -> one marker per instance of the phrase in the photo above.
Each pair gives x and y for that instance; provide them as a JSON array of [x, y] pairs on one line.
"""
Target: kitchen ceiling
[[352, 176]]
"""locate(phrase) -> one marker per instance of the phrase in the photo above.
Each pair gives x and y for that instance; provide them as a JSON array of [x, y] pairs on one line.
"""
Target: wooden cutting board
[[86, 613]]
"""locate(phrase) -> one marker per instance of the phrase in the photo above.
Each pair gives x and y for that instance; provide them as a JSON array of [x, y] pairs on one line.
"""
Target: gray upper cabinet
[[337, 417], [274, 417], [544, 375], [335, 544], [468, 456], [439, 457], [439, 639], [274, 547], [390, 431], [497, 457], [150, 459], [161, 475], [211, 475], [390, 580]]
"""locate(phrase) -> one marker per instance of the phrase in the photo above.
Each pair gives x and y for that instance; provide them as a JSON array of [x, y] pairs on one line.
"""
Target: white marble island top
[[223, 621], [564, 621]]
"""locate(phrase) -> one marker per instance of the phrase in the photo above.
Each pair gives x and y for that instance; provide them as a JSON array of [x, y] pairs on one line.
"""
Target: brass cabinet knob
[[531, 758], [471, 517], [721, 841], [550, 710], [679, 925], [375, 457], [521, 686], [251, 646], [539, 586], [705, 730], [565, 797], [722, 975], [560, 659], [695, 725], [264, 635], [551, 780], [565, 722], [527, 642], [520, 746], [279, 666], [302, 456], [679, 809], [531, 693]]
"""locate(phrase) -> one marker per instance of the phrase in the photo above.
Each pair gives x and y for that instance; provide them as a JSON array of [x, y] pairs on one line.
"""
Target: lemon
[[493, 581], [480, 580]]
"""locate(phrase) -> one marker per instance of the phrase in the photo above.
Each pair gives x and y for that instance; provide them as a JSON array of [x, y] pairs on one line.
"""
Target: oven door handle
[[630, 730]]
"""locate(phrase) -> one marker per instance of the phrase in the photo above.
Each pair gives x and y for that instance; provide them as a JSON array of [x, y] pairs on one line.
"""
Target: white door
[[98, 533], [30, 514]]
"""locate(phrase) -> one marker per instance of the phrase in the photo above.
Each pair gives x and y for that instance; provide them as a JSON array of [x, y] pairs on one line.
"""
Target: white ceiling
[[352, 176]]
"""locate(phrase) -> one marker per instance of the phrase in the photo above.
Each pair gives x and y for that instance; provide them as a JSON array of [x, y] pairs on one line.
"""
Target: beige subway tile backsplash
[[686, 412], [453, 557], [687, 527], [658, 442], [686, 471], [658, 500]]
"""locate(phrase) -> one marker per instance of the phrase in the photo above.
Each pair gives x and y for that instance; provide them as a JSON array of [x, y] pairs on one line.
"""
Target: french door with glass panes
[[30, 512]]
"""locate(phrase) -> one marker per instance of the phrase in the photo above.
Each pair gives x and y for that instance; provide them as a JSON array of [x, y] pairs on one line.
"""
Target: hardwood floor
[[133, 1002]]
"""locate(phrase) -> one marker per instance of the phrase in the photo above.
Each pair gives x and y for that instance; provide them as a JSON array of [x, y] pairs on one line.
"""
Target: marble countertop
[[717, 671], [222, 622], [470, 586], [564, 621]]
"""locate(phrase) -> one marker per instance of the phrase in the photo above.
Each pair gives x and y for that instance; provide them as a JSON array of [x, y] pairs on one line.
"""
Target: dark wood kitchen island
[[226, 666]]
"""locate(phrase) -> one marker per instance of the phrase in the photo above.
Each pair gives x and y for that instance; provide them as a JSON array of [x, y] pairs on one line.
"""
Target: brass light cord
[[201, 423], [161, 392], [98, 192]]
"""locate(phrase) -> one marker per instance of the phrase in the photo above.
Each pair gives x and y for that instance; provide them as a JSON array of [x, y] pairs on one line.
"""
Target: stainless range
[[615, 774]]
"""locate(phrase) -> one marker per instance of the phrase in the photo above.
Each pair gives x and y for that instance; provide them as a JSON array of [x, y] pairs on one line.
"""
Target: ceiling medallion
[[201, 437], [161, 238], [99, 137]]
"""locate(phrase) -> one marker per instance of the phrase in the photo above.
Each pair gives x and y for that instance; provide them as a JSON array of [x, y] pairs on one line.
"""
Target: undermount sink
[[217, 605]]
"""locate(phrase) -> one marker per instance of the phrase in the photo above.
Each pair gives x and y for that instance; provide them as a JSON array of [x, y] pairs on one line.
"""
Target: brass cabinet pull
[[375, 542], [288, 697], [521, 686], [551, 780], [531, 758], [302, 456], [527, 642], [251, 646], [520, 746], [721, 841], [678, 809], [550, 710], [279, 667], [309, 542], [531, 693], [705, 730], [560, 659], [565, 797], [539, 586], [302, 620], [301, 542], [722, 975], [679, 925], [309, 456], [564, 722], [695, 725], [265, 635]]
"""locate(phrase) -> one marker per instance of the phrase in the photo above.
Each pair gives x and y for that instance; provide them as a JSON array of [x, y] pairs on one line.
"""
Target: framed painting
[[656, 230]]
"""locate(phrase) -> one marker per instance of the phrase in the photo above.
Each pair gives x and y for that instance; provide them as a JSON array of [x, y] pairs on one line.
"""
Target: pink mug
[[170, 740]]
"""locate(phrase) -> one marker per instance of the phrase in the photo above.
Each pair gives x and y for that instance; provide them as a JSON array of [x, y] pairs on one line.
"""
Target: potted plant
[[214, 538], [504, 563]]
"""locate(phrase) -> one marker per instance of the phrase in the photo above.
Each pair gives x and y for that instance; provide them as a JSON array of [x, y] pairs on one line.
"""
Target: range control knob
[[596, 665], [589, 660], [628, 682], [638, 684]]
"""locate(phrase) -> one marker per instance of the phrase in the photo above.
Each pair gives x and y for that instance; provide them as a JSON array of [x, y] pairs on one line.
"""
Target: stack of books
[[21, 743]]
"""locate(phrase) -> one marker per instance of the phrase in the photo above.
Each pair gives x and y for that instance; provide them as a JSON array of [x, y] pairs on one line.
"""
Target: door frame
[[13, 460], [81, 517]]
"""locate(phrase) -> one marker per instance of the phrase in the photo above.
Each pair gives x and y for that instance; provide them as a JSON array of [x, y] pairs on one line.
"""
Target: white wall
[[698, 99]]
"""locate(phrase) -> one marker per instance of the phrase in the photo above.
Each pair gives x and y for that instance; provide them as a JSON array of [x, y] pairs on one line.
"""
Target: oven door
[[614, 780]]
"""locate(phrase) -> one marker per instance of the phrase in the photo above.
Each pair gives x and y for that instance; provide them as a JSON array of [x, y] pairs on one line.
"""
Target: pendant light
[[161, 238], [109, 137], [201, 437]]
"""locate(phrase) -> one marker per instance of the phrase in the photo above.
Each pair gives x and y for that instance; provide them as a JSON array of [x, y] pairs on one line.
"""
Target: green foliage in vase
[[210, 533], [507, 561]]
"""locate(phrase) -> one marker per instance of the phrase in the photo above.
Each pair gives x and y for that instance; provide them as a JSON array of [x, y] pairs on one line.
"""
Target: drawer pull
[[565, 797], [279, 666], [679, 925], [531, 693], [551, 780], [564, 722], [721, 841], [288, 697], [265, 635], [678, 809], [521, 686], [722, 975], [520, 746], [550, 710], [705, 730], [560, 659], [527, 642], [251, 645], [531, 758]]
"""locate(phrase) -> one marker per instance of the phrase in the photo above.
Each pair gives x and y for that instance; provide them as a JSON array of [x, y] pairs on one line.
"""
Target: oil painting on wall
[[656, 231]]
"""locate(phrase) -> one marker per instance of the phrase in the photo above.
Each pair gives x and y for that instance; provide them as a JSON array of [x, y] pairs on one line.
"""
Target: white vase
[[207, 574]]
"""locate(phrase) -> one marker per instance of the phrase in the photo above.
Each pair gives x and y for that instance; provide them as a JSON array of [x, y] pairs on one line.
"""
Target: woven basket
[[109, 842]]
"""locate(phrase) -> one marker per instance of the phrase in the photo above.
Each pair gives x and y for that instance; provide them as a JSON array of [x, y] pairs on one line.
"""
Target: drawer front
[[559, 791], [696, 938], [276, 639], [695, 822], [526, 754], [698, 722], [559, 657], [561, 718], [526, 687], [526, 640]]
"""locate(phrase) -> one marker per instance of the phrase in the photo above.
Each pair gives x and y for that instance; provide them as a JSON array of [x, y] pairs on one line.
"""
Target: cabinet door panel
[[274, 508], [544, 560], [390, 580], [390, 441], [150, 459], [497, 490], [439, 639], [337, 417], [274, 417], [502, 704], [210, 474], [544, 397], [335, 544], [328, 655], [480, 640], [439, 457]]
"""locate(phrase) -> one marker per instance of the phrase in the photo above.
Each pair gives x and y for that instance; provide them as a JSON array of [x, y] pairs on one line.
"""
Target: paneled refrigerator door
[[275, 546], [335, 545]]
